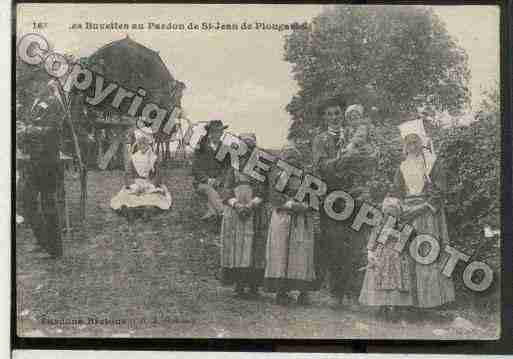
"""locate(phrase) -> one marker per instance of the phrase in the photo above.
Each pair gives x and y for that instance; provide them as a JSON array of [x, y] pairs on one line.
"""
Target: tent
[[133, 66]]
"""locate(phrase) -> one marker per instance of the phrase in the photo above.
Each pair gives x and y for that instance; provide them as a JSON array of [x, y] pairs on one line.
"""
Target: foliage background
[[399, 60], [393, 60]]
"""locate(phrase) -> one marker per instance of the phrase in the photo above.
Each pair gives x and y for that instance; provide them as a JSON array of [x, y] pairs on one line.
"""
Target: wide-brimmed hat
[[329, 102], [248, 138], [215, 125]]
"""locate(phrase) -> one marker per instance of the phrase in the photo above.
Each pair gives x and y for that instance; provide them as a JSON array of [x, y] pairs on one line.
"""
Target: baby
[[358, 129]]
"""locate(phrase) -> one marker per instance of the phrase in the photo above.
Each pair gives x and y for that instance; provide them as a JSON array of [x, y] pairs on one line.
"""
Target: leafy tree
[[394, 58], [473, 154]]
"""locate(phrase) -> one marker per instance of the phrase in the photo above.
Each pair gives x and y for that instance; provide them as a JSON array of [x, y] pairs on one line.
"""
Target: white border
[[6, 19]]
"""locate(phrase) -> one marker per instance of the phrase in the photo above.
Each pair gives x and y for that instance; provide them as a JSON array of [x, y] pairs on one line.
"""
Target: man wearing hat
[[40, 140], [343, 159], [325, 151], [209, 174]]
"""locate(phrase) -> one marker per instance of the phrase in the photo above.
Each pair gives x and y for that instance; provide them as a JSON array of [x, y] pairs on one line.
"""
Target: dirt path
[[165, 284]]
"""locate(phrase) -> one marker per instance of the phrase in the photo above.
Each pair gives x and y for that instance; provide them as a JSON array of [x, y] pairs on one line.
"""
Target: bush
[[472, 155]]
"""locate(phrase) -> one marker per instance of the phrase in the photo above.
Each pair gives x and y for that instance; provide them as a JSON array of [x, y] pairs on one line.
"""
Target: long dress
[[290, 250], [143, 192], [243, 237], [414, 188], [389, 281]]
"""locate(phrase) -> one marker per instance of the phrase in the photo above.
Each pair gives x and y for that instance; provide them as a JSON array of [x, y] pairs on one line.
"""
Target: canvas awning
[[134, 66]]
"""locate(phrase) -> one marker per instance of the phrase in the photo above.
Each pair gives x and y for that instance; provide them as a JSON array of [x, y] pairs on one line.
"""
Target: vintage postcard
[[257, 171]]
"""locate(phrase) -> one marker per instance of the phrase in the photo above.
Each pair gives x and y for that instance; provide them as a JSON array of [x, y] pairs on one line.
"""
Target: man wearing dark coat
[[209, 173], [343, 157], [325, 149], [44, 172]]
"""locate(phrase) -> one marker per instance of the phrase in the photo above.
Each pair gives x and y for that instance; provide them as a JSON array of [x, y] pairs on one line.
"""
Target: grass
[[167, 285]]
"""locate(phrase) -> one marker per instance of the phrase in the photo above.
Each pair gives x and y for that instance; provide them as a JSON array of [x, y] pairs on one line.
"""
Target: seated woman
[[143, 192], [209, 174]]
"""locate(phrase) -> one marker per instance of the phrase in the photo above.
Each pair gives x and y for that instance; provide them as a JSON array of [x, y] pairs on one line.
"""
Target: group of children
[[284, 255], [276, 253]]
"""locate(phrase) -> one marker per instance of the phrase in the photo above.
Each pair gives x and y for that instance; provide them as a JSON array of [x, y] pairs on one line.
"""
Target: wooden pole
[[109, 154], [99, 140], [83, 169]]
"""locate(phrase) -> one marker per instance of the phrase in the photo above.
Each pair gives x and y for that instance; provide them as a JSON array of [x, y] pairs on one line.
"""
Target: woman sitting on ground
[[143, 192]]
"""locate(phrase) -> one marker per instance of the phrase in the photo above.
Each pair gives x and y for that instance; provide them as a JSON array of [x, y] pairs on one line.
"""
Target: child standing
[[388, 279], [242, 230], [290, 242]]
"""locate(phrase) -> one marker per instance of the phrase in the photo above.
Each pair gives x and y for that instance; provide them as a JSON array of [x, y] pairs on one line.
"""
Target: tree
[[473, 154], [394, 58]]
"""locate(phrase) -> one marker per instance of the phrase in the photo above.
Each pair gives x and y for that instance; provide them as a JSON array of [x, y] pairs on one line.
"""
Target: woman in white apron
[[290, 249], [243, 231], [143, 192], [420, 184]]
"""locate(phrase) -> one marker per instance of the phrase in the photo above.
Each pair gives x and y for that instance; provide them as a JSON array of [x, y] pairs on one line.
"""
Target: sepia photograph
[[257, 171]]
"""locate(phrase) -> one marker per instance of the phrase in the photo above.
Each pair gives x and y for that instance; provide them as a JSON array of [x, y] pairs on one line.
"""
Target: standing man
[[345, 159], [40, 139], [325, 151]]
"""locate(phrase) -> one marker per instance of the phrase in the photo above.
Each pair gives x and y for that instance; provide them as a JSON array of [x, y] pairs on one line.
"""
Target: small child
[[290, 243], [242, 238], [387, 281], [356, 130], [357, 154]]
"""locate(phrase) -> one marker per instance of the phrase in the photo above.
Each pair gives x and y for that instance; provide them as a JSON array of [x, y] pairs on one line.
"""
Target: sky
[[239, 77]]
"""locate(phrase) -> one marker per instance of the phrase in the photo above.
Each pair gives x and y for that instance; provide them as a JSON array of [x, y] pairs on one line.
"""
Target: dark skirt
[[274, 285], [242, 276], [139, 212]]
